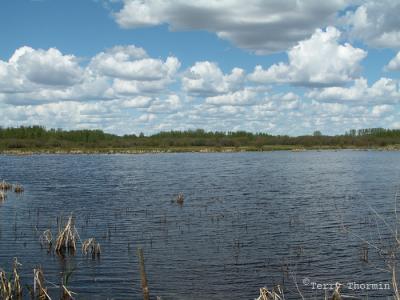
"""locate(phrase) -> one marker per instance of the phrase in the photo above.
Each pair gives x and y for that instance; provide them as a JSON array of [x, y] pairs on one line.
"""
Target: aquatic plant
[[92, 247], [10, 288], [18, 188], [180, 199], [3, 196], [5, 286], [5, 186], [66, 239], [39, 287], [46, 239], [275, 294]]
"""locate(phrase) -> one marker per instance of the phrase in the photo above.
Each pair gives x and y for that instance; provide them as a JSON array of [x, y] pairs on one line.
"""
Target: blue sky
[[284, 67]]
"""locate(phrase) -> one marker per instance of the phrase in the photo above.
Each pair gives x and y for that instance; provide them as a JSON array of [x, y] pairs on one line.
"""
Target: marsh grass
[[46, 239], [5, 186], [180, 199], [10, 288], [39, 286], [91, 246], [274, 294], [67, 237], [18, 189], [3, 196]]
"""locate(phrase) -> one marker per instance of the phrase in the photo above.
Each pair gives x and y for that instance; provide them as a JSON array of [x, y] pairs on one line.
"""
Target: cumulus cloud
[[261, 26], [207, 79], [376, 22], [37, 76], [132, 63], [317, 61], [384, 91], [245, 96], [46, 67], [394, 64]]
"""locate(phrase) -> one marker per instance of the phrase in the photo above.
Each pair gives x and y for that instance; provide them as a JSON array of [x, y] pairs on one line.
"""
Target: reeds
[[18, 188], [275, 294], [5, 186], [17, 288], [46, 239], [180, 199], [3, 196], [39, 287], [10, 288], [92, 247], [66, 239]]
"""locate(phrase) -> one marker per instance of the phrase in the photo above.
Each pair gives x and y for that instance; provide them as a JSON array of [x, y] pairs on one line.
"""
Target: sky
[[129, 66]]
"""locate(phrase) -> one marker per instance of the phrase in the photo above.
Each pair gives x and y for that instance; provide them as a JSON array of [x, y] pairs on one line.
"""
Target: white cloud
[[317, 61], [384, 91], [206, 79], [246, 96], [46, 67], [260, 26], [37, 76], [376, 22], [394, 64], [379, 110], [131, 63]]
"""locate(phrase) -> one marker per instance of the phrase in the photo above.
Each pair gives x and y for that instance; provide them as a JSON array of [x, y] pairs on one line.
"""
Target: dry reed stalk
[[66, 293], [17, 289], [5, 287], [145, 288], [66, 240], [39, 287], [266, 294], [18, 189], [90, 245], [46, 239], [3, 196], [180, 199], [5, 186]]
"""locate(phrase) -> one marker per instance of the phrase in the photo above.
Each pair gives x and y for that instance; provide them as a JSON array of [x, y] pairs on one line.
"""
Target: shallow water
[[249, 220]]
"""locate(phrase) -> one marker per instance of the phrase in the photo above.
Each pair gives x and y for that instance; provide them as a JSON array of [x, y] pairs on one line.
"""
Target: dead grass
[[46, 239], [10, 288], [18, 189], [5, 186], [180, 199], [92, 247], [275, 294], [67, 237], [3, 196], [39, 286]]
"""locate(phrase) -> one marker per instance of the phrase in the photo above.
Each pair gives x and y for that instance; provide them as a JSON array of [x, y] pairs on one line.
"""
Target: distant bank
[[37, 139]]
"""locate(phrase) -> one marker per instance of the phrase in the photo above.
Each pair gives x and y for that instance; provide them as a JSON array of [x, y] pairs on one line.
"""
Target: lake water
[[249, 220]]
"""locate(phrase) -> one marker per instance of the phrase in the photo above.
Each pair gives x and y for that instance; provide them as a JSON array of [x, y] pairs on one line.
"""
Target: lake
[[248, 220]]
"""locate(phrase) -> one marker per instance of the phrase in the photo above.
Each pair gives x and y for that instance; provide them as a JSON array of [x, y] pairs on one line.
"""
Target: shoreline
[[88, 151]]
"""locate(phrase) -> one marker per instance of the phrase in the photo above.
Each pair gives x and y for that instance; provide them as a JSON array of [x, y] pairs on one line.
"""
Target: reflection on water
[[249, 220]]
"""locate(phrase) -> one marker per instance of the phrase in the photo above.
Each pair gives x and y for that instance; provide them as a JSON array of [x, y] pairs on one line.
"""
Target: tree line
[[38, 137]]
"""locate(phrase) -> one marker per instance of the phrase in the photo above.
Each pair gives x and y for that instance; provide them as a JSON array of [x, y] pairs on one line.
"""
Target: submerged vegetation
[[40, 139]]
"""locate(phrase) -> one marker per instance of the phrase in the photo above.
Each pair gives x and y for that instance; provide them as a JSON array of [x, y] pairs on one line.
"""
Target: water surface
[[249, 220]]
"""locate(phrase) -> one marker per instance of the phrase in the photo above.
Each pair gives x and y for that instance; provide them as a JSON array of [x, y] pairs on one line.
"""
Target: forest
[[38, 138]]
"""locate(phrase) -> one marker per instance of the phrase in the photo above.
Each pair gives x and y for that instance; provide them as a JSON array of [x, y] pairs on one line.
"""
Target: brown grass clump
[[39, 287], [5, 186], [46, 239], [180, 199], [11, 288], [92, 247], [17, 283], [66, 239], [5, 287], [275, 294], [3, 196], [18, 189]]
